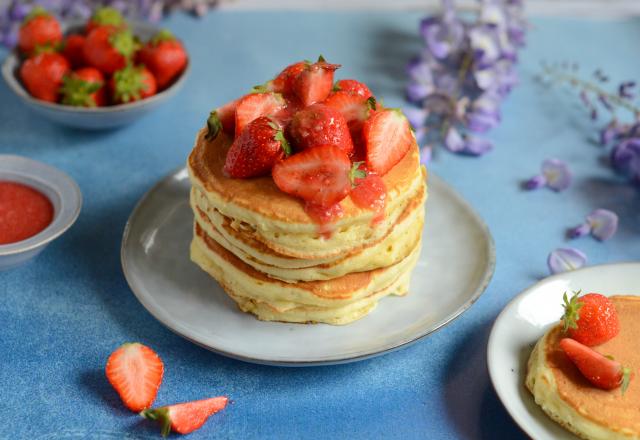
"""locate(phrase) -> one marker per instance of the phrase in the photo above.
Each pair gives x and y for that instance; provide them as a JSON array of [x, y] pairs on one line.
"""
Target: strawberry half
[[353, 86], [255, 105], [315, 82], [135, 371], [222, 119], [184, 418], [590, 319], [601, 371], [318, 175], [284, 82], [354, 108], [260, 145], [387, 137], [320, 125]]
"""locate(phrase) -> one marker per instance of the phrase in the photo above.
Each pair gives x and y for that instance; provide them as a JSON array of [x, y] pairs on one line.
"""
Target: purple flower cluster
[[465, 70], [13, 12]]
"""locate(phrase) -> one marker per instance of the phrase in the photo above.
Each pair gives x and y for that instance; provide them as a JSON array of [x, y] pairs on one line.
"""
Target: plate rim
[[327, 360], [507, 309]]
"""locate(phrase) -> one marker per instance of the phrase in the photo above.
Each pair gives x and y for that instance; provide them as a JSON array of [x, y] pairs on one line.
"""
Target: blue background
[[62, 314]]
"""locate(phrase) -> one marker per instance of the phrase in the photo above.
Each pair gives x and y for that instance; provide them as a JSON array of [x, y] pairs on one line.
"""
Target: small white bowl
[[95, 118], [62, 191]]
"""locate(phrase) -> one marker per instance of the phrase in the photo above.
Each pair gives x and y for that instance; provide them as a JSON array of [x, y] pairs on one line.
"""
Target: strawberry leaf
[[214, 126], [161, 415], [571, 310], [163, 35], [283, 141], [626, 378], [356, 173]]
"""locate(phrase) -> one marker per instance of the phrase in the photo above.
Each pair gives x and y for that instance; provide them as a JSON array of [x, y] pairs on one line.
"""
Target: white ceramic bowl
[[92, 118], [62, 191]]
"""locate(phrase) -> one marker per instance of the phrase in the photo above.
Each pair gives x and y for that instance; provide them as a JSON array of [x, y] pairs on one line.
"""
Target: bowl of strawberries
[[101, 74]]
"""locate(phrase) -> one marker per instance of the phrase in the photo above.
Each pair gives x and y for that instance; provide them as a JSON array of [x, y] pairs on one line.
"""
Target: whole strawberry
[[590, 319], [165, 57], [319, 125], [39, 28], [353, 86], [105, 16], [109, 48], [260, 145], [43, 74], [132, 83], [73, 50], [84, 87], [315, 81]]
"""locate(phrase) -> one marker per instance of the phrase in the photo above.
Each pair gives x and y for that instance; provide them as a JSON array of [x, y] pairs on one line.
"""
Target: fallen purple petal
[[565, 259], [557, 174], [535, 182], [603, 223], [625, 158], [579, 231]]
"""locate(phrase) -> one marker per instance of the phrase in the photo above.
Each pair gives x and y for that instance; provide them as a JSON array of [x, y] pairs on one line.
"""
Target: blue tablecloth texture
[[62, 314]]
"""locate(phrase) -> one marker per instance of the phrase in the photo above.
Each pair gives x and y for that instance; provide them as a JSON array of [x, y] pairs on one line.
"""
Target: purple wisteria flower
[[601, 223], [565, 259], [555, 174], [464, 72]]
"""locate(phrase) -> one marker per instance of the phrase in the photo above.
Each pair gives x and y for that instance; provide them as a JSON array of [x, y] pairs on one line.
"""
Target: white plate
[[456, 265], [525, 319]]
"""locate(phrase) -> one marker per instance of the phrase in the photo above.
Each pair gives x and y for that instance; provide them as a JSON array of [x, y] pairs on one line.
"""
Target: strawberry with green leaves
[[84, 87], [165, 57], [590, 319], [132, 83], [315, 82], [602, 371], [318, 125], [43, 74], [260, 145], [105, 16], [387, 137], [73, 50], [222, 119], [39, 28], [135, 371], [185, 418], [109, 48]]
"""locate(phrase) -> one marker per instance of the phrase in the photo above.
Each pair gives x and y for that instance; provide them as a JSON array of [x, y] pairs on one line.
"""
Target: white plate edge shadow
[[327, 359], [538, 423]]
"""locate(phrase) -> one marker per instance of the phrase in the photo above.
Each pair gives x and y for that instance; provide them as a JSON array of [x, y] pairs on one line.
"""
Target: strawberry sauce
[[324, 216], [24, 212], [370, 193]]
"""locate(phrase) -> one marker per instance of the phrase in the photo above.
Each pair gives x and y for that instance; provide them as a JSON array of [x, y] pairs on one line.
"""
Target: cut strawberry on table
[[84, 88], [387, 136], [353, 86], [601, 371], [255, 105], [109, 48], [184, 418], [259, 147], [165, 57], [590, 319], [315, 82], [319, 125], [43, 75], [318, 175], [135, 371], [38, 29], [132, 83]]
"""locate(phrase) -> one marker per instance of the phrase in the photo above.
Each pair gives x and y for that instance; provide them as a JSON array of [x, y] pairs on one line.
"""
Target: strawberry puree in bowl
[[37, 204]]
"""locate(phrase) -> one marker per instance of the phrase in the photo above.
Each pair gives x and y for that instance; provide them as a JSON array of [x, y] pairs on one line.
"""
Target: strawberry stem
[[160, 415], [571, 310], [214, 126], [626, 378]]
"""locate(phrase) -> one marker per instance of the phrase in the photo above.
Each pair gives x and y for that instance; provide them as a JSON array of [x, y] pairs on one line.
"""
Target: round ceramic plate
[[525, 319], [457, 259]]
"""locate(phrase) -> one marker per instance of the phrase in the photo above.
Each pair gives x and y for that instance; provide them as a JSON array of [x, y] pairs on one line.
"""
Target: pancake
[[280, 222], [569, 399]]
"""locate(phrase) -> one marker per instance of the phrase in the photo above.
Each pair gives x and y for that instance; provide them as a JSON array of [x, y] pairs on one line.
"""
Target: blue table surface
[[62, 314]]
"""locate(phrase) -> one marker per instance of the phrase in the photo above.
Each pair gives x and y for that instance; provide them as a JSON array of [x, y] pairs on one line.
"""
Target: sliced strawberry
[[135, 371], [184, 418], [355, 109], [369, 191], [318, 175], [387, 137], [260, 145], [590, 319], [353, 86], [222, 119], [254, 105], [284, 82], [601, 371], [320, 125], [315, 82]]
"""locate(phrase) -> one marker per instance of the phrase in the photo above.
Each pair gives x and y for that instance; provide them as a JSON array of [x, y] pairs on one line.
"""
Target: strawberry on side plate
[[39, 28], [132, 83], [105, 16], [73, 50], [353, 86], [387, 136], [601, 371], [165, 57], [318, 125], [184, 418], [320, 175], [259, 147], [43, 74], [254, 105], [590, 319], [135, 371], [315, 82], [109, 48], [84, 88]]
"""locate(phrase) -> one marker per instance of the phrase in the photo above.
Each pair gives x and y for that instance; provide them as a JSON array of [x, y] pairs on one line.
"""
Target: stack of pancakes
[[275, 262]]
